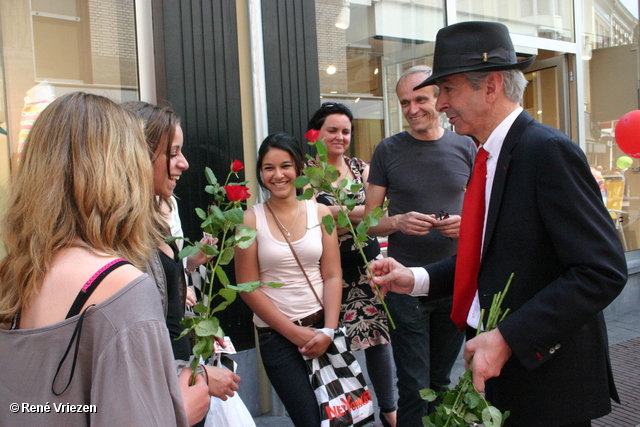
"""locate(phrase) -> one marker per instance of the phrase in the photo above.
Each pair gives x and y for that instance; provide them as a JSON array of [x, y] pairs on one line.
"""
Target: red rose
[[312, 135], [237, 193], [237, 166]]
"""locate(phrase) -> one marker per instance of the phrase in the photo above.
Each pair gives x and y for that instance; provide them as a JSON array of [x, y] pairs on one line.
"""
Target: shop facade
[[237, 70]]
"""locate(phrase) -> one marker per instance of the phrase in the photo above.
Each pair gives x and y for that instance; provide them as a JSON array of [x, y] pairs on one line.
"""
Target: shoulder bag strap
[[296, 257]]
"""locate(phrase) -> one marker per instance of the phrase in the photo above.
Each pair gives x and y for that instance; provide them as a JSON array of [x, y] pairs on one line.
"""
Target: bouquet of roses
[[463, 405]]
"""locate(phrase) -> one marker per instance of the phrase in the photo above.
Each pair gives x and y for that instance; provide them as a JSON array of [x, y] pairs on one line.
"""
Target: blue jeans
[[287, 372], [426, 344]]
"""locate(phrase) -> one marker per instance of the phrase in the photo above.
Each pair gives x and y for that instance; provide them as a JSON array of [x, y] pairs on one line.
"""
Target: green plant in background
[[223, 219], [321, 178], [463, 405]]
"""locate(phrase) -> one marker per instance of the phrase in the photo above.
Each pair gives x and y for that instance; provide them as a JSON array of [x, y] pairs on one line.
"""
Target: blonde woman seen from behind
[[80, 323]]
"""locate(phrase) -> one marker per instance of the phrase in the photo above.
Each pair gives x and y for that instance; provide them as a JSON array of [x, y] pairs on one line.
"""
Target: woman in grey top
[[73, 352]]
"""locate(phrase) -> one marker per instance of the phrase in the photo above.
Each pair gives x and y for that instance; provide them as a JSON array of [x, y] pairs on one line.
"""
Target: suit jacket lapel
[[500, 175]]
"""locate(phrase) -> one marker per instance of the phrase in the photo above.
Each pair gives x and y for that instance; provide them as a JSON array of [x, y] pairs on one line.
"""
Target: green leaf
[[207, 222], [210, 250], [235, 215], [211, 177], [203, 347], [472, 399], [373, 222], [228, 294], [183, 333], [377, 212], [491, 417], [171, 239], [350, 203], [245, 236], [200, 308], [222, 276], [201, 214], [252, 286], [448, 399], [314, 175], [321, 148], [355, 188], [220, 307], [361, 230], [207, 327], [342, 183], [470, 418], [343, 219], [187, 251], [246, 287], [325, 186], [329, 223], [211, 189], [217, 213], [332, 174], [307, 195], [481, 405], [273, 284], [428, 394], [301, 181], [226, 256]]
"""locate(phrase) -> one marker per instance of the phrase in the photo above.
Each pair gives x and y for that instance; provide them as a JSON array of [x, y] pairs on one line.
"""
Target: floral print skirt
[[362, 312]]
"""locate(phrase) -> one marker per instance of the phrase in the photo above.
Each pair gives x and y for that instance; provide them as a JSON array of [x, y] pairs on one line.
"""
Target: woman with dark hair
[[362, 312], [291, 320]]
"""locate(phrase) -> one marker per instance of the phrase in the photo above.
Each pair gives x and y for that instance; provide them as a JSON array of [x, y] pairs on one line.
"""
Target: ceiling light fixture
[[344, 17]]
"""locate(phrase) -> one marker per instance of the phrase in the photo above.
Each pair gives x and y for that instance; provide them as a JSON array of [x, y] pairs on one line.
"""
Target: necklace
[[287, 232]]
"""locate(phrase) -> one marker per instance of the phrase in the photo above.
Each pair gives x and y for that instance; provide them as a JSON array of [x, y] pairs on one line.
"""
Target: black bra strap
[[92, 284], [77, 331]]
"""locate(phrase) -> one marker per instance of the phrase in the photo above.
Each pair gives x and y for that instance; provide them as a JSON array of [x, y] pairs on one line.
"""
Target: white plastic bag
[[228, 413], [231, 412]]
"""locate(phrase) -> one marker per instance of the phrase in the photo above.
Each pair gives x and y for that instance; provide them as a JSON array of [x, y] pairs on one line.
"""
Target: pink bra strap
[[99, 272]]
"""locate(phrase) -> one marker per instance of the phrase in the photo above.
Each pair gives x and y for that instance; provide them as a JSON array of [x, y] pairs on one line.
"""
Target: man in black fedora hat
[[539, 215]]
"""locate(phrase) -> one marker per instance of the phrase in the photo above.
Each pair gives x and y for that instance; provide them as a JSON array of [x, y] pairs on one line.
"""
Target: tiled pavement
[[624, 341]]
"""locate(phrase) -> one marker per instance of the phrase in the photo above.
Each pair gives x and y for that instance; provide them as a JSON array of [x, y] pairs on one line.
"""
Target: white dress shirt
[[493, 145]]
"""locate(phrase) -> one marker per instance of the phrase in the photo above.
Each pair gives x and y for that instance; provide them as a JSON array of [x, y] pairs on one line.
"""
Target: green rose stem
[[463, 404], [344, 209], [322, 178]]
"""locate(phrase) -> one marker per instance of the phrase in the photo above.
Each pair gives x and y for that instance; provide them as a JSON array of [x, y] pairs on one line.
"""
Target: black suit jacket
[[547, 224]]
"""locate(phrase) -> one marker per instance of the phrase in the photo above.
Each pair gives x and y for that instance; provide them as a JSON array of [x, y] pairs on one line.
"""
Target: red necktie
[[470, 242]]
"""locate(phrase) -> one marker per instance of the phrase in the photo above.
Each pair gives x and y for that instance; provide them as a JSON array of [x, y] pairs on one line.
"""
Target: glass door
[[546, 97]]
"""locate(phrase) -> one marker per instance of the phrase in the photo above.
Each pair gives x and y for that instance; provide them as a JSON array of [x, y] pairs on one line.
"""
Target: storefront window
[[52, 47], [363, 47], [549, 19], [610, 60]]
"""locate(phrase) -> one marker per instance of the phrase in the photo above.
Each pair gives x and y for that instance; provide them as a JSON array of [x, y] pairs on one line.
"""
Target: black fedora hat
[[473, 46]]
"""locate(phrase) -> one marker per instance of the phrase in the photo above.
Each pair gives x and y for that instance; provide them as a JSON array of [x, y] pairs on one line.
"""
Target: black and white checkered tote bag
[[339, 385]]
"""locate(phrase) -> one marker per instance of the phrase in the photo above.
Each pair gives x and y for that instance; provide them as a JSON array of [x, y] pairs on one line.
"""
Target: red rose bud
[[237, 166], [237, 193], [312, 135]]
